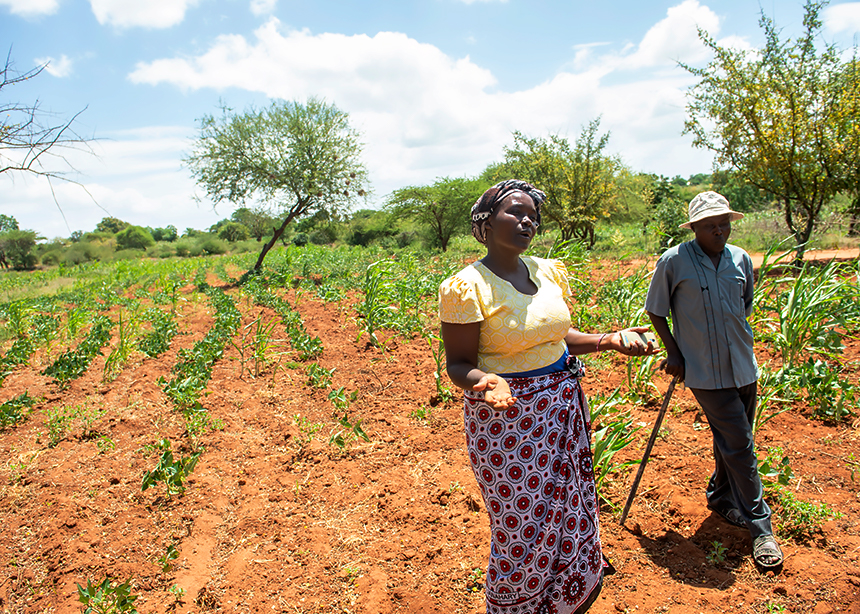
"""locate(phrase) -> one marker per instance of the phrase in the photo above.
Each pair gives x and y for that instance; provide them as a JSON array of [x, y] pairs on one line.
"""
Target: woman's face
[[514, 222]]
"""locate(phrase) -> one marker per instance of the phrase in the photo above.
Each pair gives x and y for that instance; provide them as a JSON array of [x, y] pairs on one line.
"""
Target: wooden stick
[[666, 398]]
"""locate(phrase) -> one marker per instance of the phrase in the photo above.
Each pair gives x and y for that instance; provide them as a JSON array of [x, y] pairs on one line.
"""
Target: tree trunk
[[271, 243]]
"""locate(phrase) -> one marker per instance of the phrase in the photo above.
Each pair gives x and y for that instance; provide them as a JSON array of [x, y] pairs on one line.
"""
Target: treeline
[[644, 208]]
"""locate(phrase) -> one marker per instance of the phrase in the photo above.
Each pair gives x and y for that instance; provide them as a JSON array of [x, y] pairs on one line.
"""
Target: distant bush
[[85, 251], [163, 250], [212, 246], [233, 231], [129, 254], [134, 237]]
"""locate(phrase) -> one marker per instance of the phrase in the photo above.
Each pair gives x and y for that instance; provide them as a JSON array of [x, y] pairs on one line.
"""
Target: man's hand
[[673, 365]]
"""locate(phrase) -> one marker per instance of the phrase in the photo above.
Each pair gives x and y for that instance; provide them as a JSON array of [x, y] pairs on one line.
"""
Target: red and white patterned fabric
[[534, 467]]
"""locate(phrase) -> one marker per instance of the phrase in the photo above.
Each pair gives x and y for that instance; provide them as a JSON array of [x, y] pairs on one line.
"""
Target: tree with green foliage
[[741, 195], [257, 220], [668, 211], [441, 208], [16, 248], [167, 234], [134, 237], [7, 222], [233, 231], [293, 157], [111, 225], [579, 180], [784, 117]]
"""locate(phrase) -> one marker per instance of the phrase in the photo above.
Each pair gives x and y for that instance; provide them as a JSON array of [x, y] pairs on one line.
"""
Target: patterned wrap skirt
[[533, 465]]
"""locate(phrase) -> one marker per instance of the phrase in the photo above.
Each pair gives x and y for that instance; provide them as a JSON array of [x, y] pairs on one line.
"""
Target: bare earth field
[[394, 525]]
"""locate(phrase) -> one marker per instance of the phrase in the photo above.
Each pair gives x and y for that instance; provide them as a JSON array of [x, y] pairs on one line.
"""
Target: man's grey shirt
[[709, 309]]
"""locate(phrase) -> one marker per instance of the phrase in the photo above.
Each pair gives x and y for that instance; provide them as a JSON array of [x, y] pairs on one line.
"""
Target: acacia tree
[[784, 117], [294, 158], [579, 181], [442, 208]]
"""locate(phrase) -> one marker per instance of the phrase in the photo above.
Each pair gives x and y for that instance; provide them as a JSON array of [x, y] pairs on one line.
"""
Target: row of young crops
[[132, 311]]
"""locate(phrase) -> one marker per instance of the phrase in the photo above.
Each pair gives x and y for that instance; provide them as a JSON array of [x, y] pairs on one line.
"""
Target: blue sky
[[435, 87]]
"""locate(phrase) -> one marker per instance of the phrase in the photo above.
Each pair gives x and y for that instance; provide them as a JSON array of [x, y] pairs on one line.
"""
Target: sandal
[[766, 552], [732, 515]]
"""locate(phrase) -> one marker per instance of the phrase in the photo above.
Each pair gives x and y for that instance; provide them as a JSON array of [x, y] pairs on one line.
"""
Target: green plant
[[349, 432], [107, 598], [73, 363], [853, 465], [307, 432], [58, 421], [622, 300], [443, 393], [166, 559], [177, 591], [13, 411], [254, 346], [171, 472], [799, 518], [105, 444], [127, 328], [717, 553], [18, 469], [340, 399], [640, 375], [775, 607], [831, 397], [613, 431], [775, 390], [87, 417], [775, 470], [808, 310], [475, 580], [197, 422], [422, 414], [377, 308], [319, 377], [164, 328]]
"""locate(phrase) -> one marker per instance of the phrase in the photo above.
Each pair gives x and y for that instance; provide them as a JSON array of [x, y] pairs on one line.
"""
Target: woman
[[510, 346]]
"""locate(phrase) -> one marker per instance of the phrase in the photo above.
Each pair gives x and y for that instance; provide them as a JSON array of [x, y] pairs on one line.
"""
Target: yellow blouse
[[519, 332]]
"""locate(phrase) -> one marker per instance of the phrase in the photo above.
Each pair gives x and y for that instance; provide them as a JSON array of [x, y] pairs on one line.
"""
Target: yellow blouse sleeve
[[458, 302]]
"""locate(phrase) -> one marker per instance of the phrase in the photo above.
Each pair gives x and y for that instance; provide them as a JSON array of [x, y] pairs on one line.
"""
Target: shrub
[[129, 254], [233, 231], [134, 237], [211, 245], [17, 245]]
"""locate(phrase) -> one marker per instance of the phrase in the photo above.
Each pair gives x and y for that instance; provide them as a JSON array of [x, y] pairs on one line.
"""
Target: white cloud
[[424, 114], [31, 8], [263, 7], [134, 13], [58, 68], [843, 18]]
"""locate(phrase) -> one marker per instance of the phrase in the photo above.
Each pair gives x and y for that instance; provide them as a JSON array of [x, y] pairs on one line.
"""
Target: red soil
[[394, 525]]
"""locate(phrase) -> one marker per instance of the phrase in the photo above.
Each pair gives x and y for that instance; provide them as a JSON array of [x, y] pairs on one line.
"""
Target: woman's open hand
[[497, 393]]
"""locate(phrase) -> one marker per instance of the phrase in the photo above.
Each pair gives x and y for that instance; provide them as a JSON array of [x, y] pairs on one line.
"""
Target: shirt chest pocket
[[733, 295]]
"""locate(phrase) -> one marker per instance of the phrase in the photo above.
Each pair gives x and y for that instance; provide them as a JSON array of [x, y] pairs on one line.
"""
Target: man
[[707, 286]]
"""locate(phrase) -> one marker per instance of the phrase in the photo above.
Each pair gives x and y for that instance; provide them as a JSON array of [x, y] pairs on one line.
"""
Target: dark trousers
[[735, 481]]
